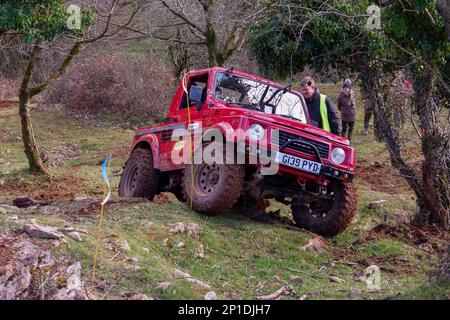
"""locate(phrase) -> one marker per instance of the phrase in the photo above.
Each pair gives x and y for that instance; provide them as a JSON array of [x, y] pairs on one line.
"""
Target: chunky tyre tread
[[148, 184], [334, 222], [221, 201]]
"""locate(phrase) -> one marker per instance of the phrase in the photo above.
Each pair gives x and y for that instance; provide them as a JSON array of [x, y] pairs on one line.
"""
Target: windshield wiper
[[247, 105], [287, 116]]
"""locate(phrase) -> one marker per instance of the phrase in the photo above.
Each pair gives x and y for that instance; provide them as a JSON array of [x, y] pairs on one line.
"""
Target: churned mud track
[[381, 177]]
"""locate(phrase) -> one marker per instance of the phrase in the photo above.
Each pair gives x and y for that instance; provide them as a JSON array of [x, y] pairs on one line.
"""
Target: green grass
[[430, 292], [383, 248], [239, 254], [243, 258]]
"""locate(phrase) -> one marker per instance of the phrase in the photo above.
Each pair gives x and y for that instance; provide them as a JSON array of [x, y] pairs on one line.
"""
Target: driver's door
[[194, 116]]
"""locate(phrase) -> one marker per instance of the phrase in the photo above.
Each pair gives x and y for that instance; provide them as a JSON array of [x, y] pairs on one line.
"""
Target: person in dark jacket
[[347, 107], [321, 110]]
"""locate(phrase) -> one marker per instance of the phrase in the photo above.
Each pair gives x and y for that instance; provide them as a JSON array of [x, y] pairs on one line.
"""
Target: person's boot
[[350, 136]]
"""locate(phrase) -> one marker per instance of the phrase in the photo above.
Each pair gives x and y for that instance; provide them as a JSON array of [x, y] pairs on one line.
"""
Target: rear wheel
[[214, 187], [328, 217], [139, 179]]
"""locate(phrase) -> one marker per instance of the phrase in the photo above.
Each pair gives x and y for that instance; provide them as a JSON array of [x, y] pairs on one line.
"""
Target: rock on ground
[[176, 228], [336, 279], [7, 209], [200, 255], [295, 278], [193, 230], [181, 245], [135, 296], [74, 289], [18, 258], [125, 246], [37, 231], [74, 235], [183, 275], [28, 271], [24, 202], [286, 290], [211, 295], [315, 246]]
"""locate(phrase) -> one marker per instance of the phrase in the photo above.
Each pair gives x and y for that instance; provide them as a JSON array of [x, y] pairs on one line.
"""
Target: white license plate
[[298, 163]]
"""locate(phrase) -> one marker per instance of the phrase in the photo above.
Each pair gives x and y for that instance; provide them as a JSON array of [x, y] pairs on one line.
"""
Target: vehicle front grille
[[284, 137]]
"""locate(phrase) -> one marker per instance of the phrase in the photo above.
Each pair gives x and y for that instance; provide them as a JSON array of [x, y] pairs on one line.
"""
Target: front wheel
[[214, 188], [328, 217], [139, 179]]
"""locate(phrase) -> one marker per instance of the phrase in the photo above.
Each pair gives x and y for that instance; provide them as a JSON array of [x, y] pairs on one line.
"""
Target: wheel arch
[[149, 142], [224, 127]]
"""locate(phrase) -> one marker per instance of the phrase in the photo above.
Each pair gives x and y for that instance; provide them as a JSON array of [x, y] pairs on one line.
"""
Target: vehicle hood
[[287, 123]]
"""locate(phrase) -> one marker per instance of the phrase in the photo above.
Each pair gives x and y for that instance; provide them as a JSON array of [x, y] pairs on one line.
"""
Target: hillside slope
[[240, 258]]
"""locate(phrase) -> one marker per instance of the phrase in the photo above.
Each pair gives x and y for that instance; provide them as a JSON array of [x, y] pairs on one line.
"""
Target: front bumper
[[267, 156], [338, 174]]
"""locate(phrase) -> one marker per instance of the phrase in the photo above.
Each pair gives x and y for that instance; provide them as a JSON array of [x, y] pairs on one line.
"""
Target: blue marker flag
[[105, 177]]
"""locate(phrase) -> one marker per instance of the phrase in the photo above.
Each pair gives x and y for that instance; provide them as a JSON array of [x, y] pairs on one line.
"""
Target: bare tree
[[106, 28], [218, 27]]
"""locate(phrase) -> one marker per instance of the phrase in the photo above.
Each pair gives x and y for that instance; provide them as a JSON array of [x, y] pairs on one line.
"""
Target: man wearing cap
[[321, 110]]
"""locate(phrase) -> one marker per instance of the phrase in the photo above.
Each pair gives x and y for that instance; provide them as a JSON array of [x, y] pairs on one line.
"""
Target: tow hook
[[302, 184]]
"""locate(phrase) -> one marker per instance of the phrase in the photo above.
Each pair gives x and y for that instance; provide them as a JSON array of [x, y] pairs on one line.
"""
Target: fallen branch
[[285, 290]]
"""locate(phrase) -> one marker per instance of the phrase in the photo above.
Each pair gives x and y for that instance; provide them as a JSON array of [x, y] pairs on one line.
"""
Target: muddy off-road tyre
[[139, 179], [328, 217], [216, 187]]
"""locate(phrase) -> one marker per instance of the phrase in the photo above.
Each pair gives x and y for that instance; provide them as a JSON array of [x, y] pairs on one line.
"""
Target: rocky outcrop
[[29, 271]]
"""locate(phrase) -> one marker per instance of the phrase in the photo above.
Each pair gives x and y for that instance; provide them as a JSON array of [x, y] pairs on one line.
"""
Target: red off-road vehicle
[[314, 168]]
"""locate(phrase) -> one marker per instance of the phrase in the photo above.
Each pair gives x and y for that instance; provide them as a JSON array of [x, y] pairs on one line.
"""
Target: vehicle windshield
[[258, 96]]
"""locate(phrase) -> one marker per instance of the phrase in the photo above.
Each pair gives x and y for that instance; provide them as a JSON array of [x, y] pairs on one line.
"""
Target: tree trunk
[[211, 44], [385, 133], [432, 185], [29, 142], [25, 95], [435, 145]]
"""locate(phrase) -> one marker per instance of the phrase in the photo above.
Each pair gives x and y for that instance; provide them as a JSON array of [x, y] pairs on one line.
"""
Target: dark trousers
[[367, 115], [348, 125]]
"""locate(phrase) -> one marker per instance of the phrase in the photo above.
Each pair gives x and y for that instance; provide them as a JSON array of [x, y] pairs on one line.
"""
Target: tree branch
[[436, 73], [232, 41], [37, 48], [76, 48], [147, 35], [181, 16], [78, 45]]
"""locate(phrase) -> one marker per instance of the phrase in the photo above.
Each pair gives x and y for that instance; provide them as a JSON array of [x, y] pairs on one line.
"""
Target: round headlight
[[256, 132], [338, 155]]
